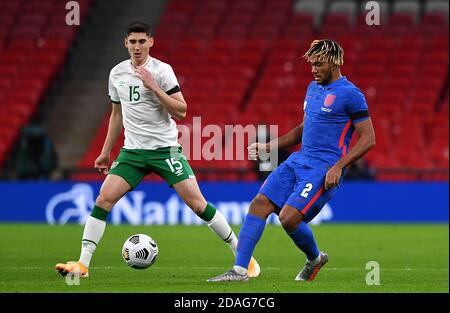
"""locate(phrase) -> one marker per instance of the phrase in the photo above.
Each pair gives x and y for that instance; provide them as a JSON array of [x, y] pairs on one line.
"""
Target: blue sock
[[249, 235], [304, 239]]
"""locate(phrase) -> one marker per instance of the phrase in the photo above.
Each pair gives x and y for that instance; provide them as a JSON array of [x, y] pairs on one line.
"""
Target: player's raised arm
[[114, 128], [364, 143], [290, 139]]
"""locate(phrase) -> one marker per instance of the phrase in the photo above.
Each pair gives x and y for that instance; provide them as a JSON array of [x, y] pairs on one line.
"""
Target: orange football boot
[[72, 267]]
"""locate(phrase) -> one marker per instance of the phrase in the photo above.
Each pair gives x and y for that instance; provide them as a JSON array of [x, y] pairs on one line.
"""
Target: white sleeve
[[169, 82], [112, 91]]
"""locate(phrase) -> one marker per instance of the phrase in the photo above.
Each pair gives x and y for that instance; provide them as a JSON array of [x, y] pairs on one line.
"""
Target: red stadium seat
[[250, 6], [401, 19], [34, 19], [434, 22], [28, 73], [239, 18], [233, 31], [201, 31], [10, 7], [42, 7], [26, 31], [181, 6], [179, 19]]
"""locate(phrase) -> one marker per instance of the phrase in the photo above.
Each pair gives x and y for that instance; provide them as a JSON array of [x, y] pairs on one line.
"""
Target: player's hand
[[333, 176], [255, 148], [101, 163], [147, 78]]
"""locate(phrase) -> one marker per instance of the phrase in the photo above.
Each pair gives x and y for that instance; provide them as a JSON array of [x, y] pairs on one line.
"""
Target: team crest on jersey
[[329, 100]]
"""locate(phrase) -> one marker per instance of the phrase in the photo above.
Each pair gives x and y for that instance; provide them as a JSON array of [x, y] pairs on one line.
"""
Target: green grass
[[412, 258]]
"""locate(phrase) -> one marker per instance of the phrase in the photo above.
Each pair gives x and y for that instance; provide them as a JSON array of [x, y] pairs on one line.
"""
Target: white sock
[[220, 226], [315, 261], [240, 270], [93, 232]]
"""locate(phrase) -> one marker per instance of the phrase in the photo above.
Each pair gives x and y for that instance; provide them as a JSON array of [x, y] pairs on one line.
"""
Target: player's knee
[[105, 201], [288, 224], [197, 205], [260, 206]]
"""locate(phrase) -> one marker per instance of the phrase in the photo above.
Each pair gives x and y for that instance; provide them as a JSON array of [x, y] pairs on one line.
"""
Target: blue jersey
[[330, 111]]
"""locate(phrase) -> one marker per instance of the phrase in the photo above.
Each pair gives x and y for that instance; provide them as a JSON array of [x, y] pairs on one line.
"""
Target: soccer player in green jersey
[[145, 95]]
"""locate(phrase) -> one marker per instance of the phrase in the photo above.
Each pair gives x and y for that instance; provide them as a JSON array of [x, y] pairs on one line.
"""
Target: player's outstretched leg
[[93, 232], [250, 233], [303, 238], [113, 188]]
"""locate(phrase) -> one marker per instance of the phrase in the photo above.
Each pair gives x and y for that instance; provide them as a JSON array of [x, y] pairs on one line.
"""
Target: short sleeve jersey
[[148, 125], [330, 112]]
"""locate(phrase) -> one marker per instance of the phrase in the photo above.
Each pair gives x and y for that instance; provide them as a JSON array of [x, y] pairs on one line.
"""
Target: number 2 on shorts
[[305, 191]]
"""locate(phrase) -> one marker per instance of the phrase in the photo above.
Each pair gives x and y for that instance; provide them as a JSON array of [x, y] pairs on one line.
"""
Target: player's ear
[[151, 40], [126, 42]]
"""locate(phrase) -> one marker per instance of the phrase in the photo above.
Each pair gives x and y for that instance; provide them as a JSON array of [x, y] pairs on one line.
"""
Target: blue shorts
[[299, 186]]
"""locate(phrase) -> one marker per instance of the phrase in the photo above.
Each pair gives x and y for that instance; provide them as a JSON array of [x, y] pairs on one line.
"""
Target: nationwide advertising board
[[158, 204]]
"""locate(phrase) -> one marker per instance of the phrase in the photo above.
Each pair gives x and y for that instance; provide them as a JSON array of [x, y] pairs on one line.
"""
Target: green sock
[[209, 213], [99, 213]]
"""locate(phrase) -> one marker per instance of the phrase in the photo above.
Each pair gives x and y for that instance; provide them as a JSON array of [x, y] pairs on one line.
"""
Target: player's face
[[138, 45], [321, 71]]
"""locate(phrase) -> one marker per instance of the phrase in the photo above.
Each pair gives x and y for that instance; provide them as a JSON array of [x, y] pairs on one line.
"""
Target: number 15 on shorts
[[175, 166]]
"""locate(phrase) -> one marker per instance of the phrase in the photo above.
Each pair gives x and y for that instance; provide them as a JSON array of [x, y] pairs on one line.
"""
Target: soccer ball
[[139, 251]]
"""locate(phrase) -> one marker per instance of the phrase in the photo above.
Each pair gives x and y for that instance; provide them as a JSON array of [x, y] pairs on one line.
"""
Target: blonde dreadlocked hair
[[326, 51]]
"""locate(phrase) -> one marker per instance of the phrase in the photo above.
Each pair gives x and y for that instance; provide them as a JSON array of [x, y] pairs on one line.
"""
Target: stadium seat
[[239, 18], [181, 6], [30, 74], [26, 31], [249, 6], [214, 6], [233, 31], [439, 7], [408, 7], [34, 19], [345, 7], [179, 19], [314, 7]]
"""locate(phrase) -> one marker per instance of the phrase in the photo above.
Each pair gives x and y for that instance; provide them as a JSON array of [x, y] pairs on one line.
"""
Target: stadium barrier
[[157, 204]]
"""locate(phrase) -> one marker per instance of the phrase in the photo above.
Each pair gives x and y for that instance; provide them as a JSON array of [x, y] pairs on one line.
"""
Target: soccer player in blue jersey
[[300, 186]]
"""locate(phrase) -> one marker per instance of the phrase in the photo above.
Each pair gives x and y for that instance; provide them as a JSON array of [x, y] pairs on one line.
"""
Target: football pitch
[[411, 258]]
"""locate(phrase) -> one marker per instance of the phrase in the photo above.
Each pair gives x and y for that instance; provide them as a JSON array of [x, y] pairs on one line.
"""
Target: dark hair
[[326, 50], [139, 27]]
